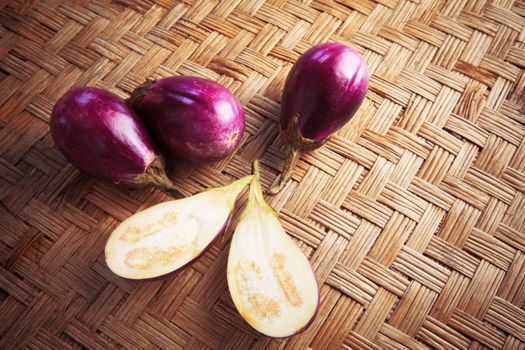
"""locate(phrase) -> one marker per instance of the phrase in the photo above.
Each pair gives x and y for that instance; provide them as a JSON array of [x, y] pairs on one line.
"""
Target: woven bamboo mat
[[413, 215]]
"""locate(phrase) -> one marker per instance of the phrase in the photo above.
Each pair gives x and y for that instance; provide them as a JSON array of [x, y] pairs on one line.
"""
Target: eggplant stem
[[161, 180], [256, 168], [292, 157], [156, 175], [296, 145], [137, 94], [255, 195]]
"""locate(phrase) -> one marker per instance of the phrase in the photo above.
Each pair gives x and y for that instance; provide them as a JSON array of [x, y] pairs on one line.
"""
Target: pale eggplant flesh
[[271, 282], [166, 237]]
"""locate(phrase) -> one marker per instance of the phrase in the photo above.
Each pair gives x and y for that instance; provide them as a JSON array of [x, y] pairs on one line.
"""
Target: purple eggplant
[[101, 136], [323, 91], [194, 119]]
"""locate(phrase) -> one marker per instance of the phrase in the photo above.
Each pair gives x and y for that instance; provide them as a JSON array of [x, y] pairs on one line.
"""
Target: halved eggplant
[[169, 235], [272, 284]]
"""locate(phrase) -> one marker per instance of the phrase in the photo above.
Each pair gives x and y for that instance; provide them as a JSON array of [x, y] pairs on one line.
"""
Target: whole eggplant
[[101, 136], [194, 119], [322, 92]]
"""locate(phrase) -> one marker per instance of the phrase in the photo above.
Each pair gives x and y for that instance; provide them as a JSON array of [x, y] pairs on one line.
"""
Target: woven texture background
[[412, 215]]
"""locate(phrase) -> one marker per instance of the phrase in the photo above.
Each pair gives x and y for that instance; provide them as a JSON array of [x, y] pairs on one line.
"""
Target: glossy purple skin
[[100, 135], [325, 87], [193, 118]]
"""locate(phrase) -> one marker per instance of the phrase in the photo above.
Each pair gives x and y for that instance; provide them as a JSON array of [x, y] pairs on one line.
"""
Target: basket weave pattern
[[413, 215]]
